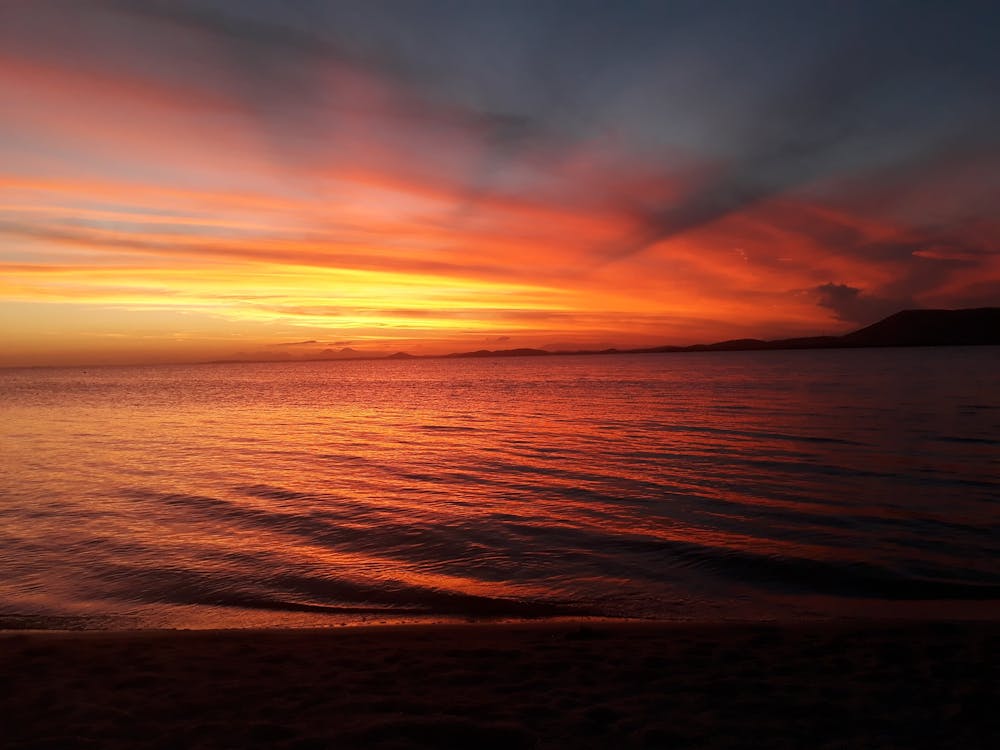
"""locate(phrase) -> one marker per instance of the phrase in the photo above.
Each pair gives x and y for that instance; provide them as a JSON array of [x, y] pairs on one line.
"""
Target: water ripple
[[741, 485]]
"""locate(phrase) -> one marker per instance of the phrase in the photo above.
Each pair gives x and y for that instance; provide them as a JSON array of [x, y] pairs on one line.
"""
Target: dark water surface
[[692, 486]]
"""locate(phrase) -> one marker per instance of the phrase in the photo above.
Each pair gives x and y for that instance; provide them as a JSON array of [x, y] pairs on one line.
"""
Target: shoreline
[[816, 612], [539, 684], [818, 622]]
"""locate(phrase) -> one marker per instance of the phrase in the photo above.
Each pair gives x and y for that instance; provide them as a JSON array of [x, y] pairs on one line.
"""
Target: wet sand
[[542, 685]]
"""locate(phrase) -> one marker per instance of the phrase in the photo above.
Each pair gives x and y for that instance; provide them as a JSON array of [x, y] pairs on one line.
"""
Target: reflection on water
[[696, 486]]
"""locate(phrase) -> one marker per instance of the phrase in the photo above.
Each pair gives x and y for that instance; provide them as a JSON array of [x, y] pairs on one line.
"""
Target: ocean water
[[709, 486]]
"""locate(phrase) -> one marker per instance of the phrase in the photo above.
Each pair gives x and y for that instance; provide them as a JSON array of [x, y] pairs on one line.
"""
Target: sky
[[213, 179]]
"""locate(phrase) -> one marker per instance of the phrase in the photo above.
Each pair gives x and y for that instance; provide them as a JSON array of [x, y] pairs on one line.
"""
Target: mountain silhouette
[[972, 327], [931, 328]]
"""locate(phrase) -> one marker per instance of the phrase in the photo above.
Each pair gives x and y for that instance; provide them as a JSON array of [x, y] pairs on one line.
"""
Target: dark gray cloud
[[772, 95], [924, 261], [887, 88], [851, 304]]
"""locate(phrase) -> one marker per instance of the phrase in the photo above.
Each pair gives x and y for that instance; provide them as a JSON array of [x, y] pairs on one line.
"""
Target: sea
[[696, 487]]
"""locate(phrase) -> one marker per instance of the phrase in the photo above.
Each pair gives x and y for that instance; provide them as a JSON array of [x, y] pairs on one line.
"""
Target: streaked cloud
[[418, 175]]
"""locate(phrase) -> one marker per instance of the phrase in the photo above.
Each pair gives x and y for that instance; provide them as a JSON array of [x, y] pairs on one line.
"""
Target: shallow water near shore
[[710, 486]]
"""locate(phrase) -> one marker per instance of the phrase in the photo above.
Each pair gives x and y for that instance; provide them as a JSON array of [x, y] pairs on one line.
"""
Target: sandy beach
[[535, 685]]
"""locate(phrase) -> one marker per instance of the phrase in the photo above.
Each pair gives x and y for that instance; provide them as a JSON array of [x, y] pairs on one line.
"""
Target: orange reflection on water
[[643, 485]]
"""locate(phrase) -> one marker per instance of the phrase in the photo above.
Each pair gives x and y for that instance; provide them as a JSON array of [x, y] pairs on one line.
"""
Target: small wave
[[805, 575], [272, 493], [760, 434], [66, 622], [962, 439], [309, 593]]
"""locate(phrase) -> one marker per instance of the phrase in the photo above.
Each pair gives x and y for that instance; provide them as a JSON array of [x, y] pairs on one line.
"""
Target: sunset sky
[[182, 181]]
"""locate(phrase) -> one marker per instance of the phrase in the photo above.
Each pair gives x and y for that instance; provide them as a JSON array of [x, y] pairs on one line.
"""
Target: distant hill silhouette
[[972, 327], [978, 326], [345, 353], [502, 353]]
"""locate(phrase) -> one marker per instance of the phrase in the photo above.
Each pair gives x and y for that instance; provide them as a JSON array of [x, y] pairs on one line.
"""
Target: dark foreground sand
[[506, 686]]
